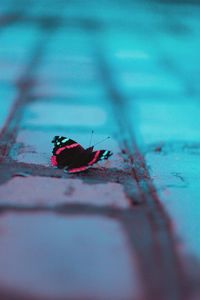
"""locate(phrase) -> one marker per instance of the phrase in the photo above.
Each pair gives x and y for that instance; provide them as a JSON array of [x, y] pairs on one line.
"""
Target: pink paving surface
[[52, 191], [52, 257]]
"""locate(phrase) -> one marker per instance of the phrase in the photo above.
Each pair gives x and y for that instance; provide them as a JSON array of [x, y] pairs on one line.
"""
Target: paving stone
[[161, 82], [51, 191], [134, 61], [179, 49], [166, 120], [68, 90], [176, 177], [65, 115], [78, 68], [58, 257], [128, 47]]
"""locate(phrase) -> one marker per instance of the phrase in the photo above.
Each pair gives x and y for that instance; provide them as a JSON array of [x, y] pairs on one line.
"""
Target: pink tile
[[54, 257], [51, 191]]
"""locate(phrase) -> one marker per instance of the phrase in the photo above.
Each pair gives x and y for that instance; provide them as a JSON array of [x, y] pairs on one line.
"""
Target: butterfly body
[[69, 155]]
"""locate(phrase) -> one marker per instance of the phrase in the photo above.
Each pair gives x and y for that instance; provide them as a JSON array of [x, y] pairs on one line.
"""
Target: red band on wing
[[53, 161], [66, 147], [94, 159], [77, 170]]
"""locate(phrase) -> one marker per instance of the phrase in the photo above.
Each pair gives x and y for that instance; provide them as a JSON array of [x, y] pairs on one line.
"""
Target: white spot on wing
[[65, 140]]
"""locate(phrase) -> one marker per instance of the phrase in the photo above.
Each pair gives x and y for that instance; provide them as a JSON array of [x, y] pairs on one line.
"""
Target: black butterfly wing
[[99, 155], [61, 141], [65, 151], [86, 160]]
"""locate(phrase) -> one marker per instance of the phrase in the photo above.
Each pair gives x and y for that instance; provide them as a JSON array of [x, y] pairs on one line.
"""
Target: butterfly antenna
[[91, 138], [108, 137]]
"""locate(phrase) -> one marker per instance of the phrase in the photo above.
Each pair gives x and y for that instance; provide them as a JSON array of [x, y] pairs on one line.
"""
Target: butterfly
[[71, 156]]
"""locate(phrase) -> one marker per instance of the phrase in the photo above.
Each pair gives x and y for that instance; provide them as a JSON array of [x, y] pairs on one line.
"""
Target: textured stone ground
[[127, 229]]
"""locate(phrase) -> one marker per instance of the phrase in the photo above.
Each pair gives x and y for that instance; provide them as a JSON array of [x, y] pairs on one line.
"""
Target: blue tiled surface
[[81, 54]]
